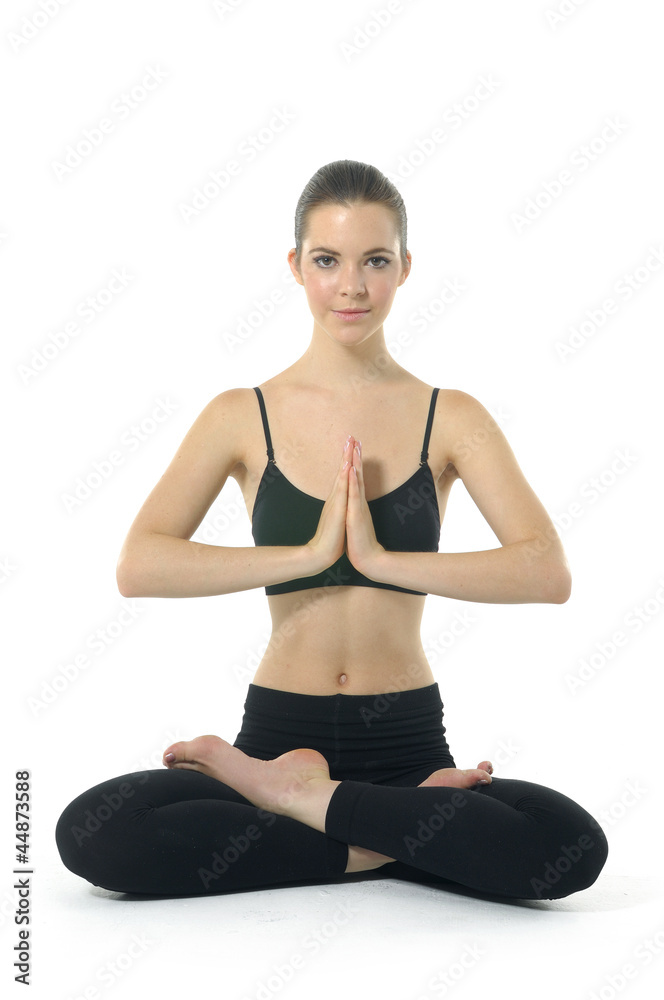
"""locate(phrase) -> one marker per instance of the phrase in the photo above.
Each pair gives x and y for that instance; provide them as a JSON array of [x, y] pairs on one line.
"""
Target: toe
[[175, 754], [478, 776], [188, 754]]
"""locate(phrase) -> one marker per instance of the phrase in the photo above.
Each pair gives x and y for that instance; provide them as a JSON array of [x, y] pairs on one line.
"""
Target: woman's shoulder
[[225, 418], [459, 401], [230, 402]]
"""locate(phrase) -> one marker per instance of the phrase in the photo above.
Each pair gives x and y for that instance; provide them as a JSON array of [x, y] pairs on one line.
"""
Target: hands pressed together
[[345, 523]]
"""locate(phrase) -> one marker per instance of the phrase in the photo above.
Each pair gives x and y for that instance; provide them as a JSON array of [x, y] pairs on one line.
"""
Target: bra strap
[[266, 428], [427, 433]]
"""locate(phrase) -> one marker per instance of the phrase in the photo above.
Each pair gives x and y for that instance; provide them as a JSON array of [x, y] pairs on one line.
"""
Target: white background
[[535, 89]]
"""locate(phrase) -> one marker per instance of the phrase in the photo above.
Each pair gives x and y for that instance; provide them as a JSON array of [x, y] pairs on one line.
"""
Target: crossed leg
[[506, 837], [296, 784]]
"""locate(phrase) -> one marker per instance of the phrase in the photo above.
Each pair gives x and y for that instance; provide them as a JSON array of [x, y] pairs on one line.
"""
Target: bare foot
[[273, 785], [296, 784], [362, 860], [452, 777]]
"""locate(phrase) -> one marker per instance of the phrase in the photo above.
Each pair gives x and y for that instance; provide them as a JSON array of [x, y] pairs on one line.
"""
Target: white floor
[[364, 936]]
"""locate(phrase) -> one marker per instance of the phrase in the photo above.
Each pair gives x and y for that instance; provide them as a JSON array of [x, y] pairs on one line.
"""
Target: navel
[[342, 678]]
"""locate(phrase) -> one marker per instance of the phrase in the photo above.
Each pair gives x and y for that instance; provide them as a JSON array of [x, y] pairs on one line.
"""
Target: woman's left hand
[[361, 543]]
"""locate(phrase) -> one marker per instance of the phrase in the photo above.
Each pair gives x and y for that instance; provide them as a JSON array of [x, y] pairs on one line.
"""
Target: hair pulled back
[[343, 182]]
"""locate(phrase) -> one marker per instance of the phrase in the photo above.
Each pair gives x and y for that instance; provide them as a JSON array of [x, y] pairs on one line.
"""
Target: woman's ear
[[293, 266]]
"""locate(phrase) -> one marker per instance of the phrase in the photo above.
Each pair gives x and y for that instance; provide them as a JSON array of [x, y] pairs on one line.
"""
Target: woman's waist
[[392, 722], [347, 676], [355, 661]]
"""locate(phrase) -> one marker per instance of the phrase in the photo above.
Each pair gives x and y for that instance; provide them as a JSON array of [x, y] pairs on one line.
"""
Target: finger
[[344, 468], [356, 468]]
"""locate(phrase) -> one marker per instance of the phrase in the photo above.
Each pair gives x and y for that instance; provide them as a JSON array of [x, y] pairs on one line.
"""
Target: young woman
[[341, 763]]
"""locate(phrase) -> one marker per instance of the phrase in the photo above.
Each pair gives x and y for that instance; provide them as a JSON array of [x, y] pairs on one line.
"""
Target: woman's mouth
[[350, 314]]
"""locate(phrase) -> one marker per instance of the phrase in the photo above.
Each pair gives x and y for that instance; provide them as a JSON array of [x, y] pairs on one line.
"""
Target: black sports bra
[[407, 519]]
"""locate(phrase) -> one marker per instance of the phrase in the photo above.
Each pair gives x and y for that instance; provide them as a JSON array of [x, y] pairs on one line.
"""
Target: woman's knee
[[573, 864], [91, 825]]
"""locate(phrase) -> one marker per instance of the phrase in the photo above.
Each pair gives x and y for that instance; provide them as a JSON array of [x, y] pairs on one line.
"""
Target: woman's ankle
[[362, 860]]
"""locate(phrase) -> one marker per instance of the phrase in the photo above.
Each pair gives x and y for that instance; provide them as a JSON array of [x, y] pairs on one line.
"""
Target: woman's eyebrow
[[335, 253]]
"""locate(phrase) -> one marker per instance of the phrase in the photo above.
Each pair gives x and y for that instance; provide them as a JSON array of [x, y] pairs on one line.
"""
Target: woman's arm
[[529, 567], [157, 558]]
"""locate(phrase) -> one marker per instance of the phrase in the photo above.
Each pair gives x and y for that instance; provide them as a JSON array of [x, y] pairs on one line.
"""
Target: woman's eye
[[317, 260]]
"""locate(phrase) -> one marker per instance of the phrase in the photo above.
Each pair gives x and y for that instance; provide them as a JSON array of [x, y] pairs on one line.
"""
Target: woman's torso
[[350, 639]]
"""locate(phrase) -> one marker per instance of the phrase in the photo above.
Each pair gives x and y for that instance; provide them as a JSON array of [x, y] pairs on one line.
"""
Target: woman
[[341, 764]]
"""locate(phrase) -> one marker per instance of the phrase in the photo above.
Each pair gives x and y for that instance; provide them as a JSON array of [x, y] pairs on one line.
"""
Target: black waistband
[[383, 734], [341, 707]]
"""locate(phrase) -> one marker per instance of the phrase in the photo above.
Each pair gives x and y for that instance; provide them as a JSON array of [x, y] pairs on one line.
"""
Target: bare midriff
[[351, 640]]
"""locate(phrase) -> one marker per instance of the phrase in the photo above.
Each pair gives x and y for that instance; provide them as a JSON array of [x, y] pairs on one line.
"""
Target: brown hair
[[343, 182]]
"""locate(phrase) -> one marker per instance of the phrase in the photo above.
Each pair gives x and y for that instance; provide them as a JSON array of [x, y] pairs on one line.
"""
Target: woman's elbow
[[126, 578], [558, 584]]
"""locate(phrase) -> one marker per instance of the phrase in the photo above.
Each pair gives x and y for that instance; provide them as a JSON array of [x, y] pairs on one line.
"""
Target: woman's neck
[[343, 368]]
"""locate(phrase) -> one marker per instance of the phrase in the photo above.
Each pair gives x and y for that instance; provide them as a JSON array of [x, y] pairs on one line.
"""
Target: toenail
[[169, 757]]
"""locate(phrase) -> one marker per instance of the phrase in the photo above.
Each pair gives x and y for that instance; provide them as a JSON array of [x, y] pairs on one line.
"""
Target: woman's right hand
[[329, 542]]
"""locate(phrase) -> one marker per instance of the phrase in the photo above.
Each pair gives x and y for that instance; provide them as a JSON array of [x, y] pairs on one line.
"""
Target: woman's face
[[350, 260]]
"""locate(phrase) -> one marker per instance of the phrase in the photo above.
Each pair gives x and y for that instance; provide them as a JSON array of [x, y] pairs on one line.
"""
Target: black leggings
[[179, 832]]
